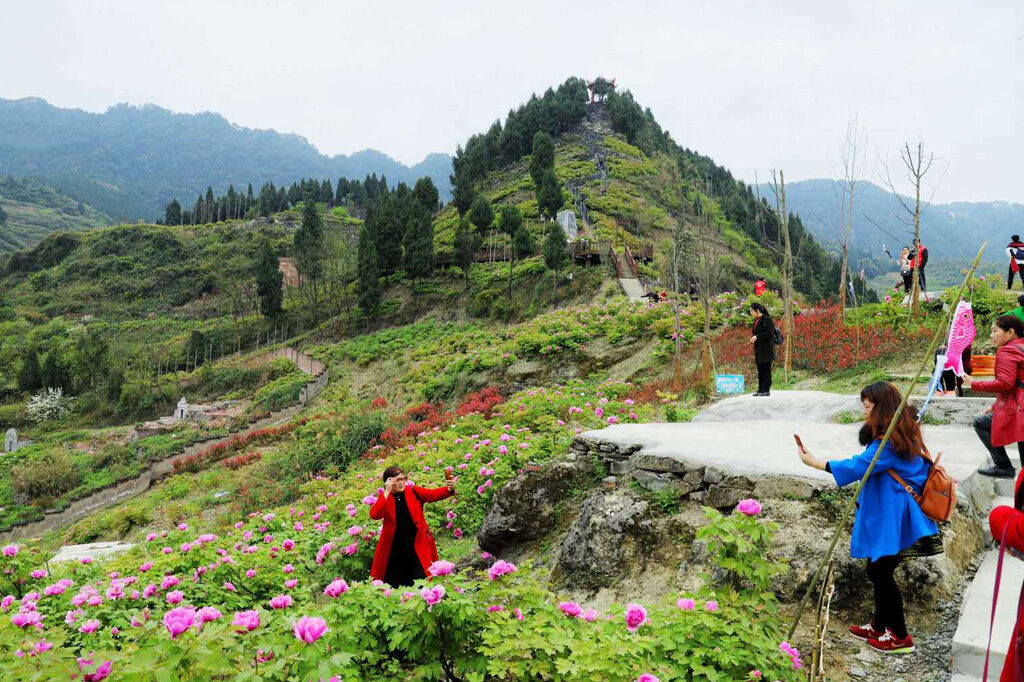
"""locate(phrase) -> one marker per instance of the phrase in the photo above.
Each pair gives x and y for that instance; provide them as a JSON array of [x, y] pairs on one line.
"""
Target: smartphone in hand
[[799, 443], [448, 475]]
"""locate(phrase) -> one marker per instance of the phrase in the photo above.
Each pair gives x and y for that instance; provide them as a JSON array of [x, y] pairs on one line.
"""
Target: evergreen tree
[[467, 241], [30, 378], [481, 214], [55, 373], [543, 157], [419, 243], [462, 192], [549, 196], [522, 243], [510, 221], [172, 216], [309, 255], [388, 230], [369, 274], [426, 193], [556, 249], [269, 280]]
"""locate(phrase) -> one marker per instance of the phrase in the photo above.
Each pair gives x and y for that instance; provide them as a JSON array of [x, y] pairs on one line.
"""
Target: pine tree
[[510, 222], [522, 243], [426, 193], [419, 243], [462, 192], [543, 157], [369, 274], [481, 214], [54, 373], [309, 254], [269, 280], [30, 378], [172, 216], [549, 196], [556, 249], [467, 241]]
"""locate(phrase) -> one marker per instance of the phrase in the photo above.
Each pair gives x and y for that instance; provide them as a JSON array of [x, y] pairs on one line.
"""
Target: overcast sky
[[755, 85]]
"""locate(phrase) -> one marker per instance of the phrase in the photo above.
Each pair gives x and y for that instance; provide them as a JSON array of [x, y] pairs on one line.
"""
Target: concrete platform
[[765, 447], [95, 550], [971, 635]]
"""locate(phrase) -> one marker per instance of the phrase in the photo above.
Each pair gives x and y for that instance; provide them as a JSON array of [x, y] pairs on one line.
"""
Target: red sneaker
[[891, 644], [866, 632]]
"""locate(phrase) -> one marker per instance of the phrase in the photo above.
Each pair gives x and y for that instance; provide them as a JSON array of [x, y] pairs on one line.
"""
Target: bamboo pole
[[929, 358]]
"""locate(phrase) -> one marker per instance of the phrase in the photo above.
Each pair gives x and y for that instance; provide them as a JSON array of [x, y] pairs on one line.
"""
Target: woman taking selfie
[[406, 546], [889, 525]]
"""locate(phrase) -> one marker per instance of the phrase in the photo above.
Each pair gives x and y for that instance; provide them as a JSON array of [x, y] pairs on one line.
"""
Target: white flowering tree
[[50, 405]]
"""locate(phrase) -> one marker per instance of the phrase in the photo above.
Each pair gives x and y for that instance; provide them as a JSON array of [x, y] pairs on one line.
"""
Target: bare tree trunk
[[787, 275]]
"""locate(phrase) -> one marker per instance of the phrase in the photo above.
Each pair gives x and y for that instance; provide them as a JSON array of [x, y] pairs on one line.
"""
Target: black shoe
[[757, 394], [998, 472]]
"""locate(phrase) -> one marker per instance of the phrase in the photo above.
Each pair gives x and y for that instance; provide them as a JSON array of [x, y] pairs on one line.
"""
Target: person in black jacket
[[763, 341]]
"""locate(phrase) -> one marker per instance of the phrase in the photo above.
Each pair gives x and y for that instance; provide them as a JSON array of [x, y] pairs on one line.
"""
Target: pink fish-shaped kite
[[961, 336]]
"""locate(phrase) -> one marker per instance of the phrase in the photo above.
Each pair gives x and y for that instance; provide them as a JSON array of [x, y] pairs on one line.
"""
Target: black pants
[[764, 377], [1009, 277], [908, 283], [983, 427], [888, 600], [921, 280]]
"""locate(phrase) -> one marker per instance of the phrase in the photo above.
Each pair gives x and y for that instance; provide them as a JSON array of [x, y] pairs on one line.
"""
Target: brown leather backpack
[[938, 495]]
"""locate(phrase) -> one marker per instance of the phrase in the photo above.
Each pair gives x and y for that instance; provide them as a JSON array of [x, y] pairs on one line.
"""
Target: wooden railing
[[631, 262]]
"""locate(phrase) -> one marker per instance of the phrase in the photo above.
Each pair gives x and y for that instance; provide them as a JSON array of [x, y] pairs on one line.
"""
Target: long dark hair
[[906, 438], [766, 317]]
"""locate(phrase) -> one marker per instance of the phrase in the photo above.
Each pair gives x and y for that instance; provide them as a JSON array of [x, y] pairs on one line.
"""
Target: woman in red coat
[[405, 549], [1004, 423], [1010, 520]]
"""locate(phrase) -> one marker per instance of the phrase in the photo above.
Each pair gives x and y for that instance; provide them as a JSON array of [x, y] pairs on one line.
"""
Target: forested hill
[[638, 183], [30, 210], [130, 161], [950, 231]]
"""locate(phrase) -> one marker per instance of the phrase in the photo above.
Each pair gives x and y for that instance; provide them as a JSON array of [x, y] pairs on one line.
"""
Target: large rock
[[524, 508], [610, 525]]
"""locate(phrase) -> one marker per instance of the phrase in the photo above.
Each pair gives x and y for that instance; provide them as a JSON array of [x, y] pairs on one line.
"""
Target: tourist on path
[[1015, 252], [760, 285], [1010, 520], [763, 341], [405, 549], [1003, 423], [889, 524], [922, 261], [906, 271]]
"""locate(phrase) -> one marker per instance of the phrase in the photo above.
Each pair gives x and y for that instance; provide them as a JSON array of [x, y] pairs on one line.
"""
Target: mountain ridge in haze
[[129, 161]]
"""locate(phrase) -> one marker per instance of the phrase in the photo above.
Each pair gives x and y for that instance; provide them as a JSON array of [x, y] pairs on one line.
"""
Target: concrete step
[[998, 502], [971, 636], [1005, 487], [968, 678], [632, 288]]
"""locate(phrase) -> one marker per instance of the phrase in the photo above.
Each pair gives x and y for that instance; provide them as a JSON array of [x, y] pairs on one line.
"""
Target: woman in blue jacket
[[889, 525]]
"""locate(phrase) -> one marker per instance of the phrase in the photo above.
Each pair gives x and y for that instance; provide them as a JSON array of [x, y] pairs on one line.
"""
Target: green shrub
[[48, 474], [322, 446], [13, 416]]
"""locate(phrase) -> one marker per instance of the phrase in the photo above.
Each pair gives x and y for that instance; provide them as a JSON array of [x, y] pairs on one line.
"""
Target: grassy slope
[[35, 210]]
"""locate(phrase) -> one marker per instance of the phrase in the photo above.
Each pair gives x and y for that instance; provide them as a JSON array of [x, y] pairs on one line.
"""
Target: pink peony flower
[[281, 601], [229, 587], [440, 568], [89, 626], [711, 605], [288, 545], [208, 614], [500, 568], [571, 608], [686, 604], [647, 677], [247, 620], [336, 588], [636, 616], [101, 672], [179, 620], [290, 584], [288, 568], [750, 507], [590, 616], [168, 582], [309, 629], [518, 613], [10, 550], [432, 595], [175, 597], [27, 618]]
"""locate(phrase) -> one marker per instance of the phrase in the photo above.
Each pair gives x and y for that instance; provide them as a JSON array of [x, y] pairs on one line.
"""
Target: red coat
[[1008, 412], [1011, 521], [384, 508]]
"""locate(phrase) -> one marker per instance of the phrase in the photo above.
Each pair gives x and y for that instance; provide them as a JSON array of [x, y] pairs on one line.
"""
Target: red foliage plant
[[425, 417], [821, 343], [221, 449], [240, 461], [483, 402], [379, 403]]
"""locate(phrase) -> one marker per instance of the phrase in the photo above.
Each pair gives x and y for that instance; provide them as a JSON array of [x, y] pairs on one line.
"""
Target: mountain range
[[129, 161], [951, 231]]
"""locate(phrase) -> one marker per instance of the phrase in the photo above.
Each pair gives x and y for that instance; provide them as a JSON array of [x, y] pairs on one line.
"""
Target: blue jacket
[[888, 518]]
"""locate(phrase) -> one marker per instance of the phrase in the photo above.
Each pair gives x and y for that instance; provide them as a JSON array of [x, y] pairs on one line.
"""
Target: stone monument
[[567, 219], [181, 412], [11, 441]]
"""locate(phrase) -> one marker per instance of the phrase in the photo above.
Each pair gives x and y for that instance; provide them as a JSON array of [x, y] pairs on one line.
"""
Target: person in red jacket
[[405, 549], [1003, 424], [1010, 521]]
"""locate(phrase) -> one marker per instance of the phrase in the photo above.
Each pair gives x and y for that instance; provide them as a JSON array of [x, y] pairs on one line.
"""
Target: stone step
[[998, 502], [1005, 487], [971, 635], [632, 288], [957, 677]]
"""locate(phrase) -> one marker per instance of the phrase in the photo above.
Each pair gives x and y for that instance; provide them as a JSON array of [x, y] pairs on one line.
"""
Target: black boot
[[998, 472]]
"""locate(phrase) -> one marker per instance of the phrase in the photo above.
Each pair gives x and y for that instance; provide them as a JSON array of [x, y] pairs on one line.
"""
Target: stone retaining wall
[[122, 490]]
